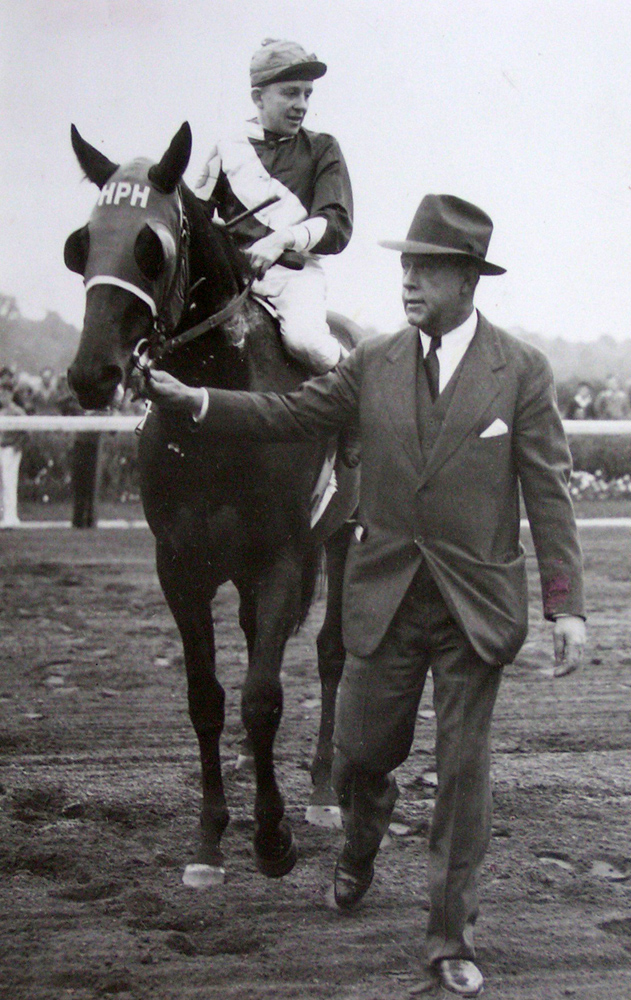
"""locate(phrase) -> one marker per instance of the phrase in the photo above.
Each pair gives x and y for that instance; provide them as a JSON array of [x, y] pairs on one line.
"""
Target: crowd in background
[[612, 402], [92, 463], [48, 392], [22, 393]]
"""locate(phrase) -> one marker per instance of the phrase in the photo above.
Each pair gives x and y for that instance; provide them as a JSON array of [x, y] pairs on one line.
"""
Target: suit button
[[419, 540]]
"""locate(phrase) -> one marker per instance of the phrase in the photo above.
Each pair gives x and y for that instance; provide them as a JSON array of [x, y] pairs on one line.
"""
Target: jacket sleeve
[[332, 200], [544, 465], [318, 408], [207, 182]]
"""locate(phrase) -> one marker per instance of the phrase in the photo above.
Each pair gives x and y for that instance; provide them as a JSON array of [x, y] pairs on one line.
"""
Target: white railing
[[85, 422], [128, 423], [118, 422]]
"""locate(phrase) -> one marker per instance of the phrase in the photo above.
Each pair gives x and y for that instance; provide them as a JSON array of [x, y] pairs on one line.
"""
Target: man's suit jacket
[[459, 510]]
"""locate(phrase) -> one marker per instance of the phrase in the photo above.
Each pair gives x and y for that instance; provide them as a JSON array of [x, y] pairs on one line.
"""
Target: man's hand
[[266, 251], [569, 643], [165, 390]]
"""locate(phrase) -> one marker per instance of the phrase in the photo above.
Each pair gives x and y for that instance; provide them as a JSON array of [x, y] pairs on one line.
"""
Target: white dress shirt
[[452, 348]]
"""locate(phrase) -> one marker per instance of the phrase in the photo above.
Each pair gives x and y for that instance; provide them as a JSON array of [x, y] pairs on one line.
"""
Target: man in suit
[[454, 415]]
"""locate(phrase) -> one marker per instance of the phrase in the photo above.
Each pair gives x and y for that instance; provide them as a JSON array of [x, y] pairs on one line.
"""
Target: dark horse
[[157, 270]]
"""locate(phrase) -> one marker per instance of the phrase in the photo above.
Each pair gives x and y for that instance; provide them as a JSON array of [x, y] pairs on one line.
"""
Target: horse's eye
[[76, 250], [149, 253]]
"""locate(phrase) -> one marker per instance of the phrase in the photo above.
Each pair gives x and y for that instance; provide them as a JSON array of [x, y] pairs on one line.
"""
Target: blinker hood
[[127, 203]]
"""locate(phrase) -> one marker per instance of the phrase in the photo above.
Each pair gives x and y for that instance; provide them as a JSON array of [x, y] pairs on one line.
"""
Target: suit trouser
[[376, 713]]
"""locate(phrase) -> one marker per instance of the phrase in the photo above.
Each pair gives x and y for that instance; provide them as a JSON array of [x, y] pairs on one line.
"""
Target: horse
[[166, 282]]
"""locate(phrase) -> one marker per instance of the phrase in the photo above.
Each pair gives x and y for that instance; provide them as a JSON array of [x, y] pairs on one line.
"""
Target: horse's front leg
[[188, 596], [277, 592], [323, 809]]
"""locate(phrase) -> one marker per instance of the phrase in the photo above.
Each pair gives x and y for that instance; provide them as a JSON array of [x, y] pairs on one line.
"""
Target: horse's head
[[131, 257]]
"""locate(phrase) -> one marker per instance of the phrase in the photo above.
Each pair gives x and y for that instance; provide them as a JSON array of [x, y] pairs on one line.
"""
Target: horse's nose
[[94, 388]]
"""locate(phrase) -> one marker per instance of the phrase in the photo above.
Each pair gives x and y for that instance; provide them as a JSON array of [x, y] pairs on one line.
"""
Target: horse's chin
[[95, 391], [96, 399]]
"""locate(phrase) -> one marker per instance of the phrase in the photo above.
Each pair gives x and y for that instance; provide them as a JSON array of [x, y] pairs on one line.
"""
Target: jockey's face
[[283, 106]]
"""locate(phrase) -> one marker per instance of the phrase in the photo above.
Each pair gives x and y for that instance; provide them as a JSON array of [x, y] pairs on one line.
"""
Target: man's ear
[[470, 278], [256, 95]]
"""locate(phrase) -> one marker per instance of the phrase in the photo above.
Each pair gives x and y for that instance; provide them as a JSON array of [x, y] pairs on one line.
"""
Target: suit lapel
[[477, 387], [400, 393]]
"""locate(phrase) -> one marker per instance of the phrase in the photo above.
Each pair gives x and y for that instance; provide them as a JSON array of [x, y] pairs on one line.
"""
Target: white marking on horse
[[119, 191]]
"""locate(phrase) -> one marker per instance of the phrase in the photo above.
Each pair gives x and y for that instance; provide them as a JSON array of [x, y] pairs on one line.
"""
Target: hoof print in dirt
[[620, 927], [181, 943], [144, 904], [90, 892]]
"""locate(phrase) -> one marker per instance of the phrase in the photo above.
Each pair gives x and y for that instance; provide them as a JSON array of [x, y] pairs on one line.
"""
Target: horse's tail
[[312, 583]]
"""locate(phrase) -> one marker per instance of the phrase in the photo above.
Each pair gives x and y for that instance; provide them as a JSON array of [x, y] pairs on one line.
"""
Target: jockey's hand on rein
[[267, 250]]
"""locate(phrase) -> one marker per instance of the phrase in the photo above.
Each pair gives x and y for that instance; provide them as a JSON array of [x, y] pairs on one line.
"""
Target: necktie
[[432, 368]]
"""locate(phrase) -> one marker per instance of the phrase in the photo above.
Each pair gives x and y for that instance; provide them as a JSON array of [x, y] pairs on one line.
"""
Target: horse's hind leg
[[277, 608], [189, 601], [323, 809], [247, 621]]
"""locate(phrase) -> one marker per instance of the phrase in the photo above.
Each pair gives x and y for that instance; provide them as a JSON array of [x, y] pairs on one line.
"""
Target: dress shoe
[[352, 879], [461, 976]]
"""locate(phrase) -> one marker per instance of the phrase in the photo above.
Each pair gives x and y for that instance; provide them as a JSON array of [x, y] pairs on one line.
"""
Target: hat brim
[[311, 70], [430, 250]]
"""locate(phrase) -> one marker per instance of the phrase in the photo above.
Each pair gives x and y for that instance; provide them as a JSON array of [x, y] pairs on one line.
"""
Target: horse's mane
[[217, 251]]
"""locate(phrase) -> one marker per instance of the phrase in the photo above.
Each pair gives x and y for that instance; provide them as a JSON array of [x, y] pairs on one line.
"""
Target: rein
[[216, 319], [163, 345]]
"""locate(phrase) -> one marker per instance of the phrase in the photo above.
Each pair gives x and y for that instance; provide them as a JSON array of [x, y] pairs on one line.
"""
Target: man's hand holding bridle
[[166, 391]]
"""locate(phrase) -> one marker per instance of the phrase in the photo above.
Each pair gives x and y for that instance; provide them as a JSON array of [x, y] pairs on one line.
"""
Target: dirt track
[[99, 806]]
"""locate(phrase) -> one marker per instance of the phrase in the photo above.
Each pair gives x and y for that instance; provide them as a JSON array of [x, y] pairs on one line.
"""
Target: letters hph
[[119, 191]]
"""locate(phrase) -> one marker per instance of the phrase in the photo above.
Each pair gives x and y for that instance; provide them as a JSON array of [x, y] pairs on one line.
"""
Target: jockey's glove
[[267, 250]]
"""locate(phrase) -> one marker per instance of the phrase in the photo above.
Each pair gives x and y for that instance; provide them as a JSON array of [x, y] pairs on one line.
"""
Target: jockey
[[274, 155]]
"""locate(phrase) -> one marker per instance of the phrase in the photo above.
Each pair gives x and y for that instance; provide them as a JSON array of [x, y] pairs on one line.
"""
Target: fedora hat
[[444, 224], [277, 60]]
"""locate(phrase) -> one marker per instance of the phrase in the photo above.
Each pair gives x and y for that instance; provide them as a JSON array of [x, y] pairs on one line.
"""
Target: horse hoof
[[277, 866], [203, 876], [329, 817]]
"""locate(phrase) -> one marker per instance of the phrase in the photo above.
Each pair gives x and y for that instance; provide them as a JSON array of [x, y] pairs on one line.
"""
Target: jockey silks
[[127, 202], [307, 171]]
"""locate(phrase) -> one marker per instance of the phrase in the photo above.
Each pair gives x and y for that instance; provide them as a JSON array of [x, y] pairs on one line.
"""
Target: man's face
[[437, 293], [283, 106]]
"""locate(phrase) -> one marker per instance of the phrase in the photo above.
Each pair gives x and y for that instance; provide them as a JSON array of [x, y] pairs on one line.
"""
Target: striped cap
[[278, 60]]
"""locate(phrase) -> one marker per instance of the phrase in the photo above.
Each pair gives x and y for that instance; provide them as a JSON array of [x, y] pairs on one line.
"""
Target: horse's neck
[[258, 365], [216, 277]]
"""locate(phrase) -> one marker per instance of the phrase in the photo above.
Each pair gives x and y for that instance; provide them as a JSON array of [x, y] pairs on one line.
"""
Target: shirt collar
[[254, 130], [457, 339]]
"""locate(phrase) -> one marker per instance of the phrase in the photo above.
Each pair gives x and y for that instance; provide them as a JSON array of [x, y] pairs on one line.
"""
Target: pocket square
[[495, 429]]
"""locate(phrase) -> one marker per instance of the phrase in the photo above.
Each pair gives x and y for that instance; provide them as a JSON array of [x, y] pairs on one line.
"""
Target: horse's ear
[[96, 167], [76, 250], [167, 174], [149, 253]]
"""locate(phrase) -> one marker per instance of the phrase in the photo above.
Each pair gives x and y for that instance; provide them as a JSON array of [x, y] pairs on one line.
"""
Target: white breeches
[[10, 459], [299, 298]]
